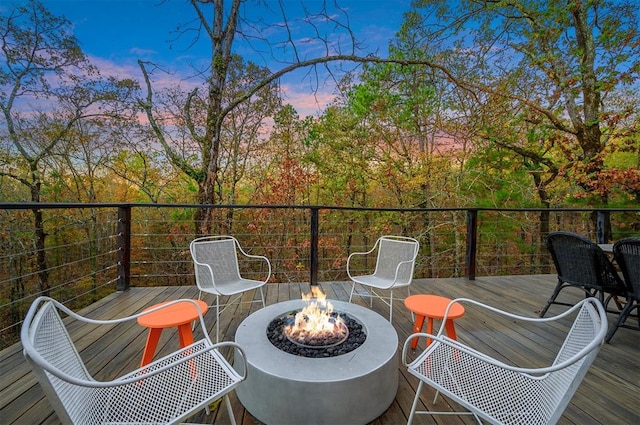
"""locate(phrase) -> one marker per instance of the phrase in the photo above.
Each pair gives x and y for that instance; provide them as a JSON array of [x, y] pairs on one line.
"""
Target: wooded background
[[496, 104]]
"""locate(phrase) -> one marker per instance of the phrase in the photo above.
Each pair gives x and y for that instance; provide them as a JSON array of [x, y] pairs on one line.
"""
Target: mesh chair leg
[[229, 409], [353, 287], [414, 410], [195, 323], [217, 318], [415, 404]]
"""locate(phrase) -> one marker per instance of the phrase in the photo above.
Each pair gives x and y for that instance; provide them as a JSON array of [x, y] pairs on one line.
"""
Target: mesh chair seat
[[165, 391], [378, 282], [504, 394]]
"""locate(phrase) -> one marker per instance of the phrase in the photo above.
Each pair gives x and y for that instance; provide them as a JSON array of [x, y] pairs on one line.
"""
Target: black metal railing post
[[124, 248], [313, 254], [601, 220], [472, 241]]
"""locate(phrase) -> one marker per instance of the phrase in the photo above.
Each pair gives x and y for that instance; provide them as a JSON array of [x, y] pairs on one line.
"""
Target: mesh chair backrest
[[584, 330], [561, 385], [627, 254], [49, 337], [221, 256], [392, 252], [580, 261], [50, 340]]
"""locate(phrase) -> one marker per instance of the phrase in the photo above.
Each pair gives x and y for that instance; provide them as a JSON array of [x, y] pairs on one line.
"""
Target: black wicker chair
[[627, 255], [582, 264]]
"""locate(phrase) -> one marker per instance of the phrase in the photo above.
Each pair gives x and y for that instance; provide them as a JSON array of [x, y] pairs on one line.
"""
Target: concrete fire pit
[[353, 388]]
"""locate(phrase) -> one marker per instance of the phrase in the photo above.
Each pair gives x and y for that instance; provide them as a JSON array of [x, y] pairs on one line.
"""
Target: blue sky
[[116, 33]]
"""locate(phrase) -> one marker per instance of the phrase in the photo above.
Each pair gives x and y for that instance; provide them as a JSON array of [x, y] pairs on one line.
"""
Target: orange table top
[[174, 315], [433, 306]]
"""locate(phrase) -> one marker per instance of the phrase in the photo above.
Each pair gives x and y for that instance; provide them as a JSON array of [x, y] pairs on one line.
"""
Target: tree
[[563, 72], [246, 130], [561, 66], [43, 65], [221, 30]]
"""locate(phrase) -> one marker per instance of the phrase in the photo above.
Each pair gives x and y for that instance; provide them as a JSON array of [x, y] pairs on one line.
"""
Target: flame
[[315, 320]]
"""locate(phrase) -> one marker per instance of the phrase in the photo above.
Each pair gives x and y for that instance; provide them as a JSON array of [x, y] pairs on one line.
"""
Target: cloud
[[161, 79], [304, 97], [306, 101], [109, 68], [137, 51]]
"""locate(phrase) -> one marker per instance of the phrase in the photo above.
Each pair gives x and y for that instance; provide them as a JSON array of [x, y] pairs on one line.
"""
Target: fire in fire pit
[[315, 325], [316, 330]]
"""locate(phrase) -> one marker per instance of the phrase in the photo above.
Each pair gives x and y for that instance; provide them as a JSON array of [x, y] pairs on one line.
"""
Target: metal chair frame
[[165, 391], [395, 262], [217, 271], [501, 393]]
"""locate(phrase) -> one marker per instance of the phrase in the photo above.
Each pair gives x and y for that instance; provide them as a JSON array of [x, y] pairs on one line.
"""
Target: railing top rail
[[48, 205]]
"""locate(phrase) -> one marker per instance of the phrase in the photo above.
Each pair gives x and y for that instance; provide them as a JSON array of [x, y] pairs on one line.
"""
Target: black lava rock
[[275, 334]]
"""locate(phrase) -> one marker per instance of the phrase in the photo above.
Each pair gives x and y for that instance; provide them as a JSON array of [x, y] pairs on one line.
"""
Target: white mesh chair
[[396, 258], [500, 393], [217, 270], [165, 391]]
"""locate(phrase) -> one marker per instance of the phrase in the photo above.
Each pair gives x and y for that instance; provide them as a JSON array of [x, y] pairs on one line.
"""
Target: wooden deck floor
[[609, 394]]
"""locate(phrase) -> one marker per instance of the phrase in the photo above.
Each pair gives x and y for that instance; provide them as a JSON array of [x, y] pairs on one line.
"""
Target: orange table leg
[[451, 329], [429, 329], [185, 334], [417, 327], [150, 348]]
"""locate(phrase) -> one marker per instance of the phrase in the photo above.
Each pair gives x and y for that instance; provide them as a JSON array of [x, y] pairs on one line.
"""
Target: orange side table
[[432, 307], [179, 314]]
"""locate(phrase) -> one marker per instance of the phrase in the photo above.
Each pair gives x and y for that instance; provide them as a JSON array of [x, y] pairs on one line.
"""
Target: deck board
[[608, 395]]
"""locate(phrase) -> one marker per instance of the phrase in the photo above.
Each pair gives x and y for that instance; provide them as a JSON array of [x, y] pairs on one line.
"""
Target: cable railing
[[92, 250]]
